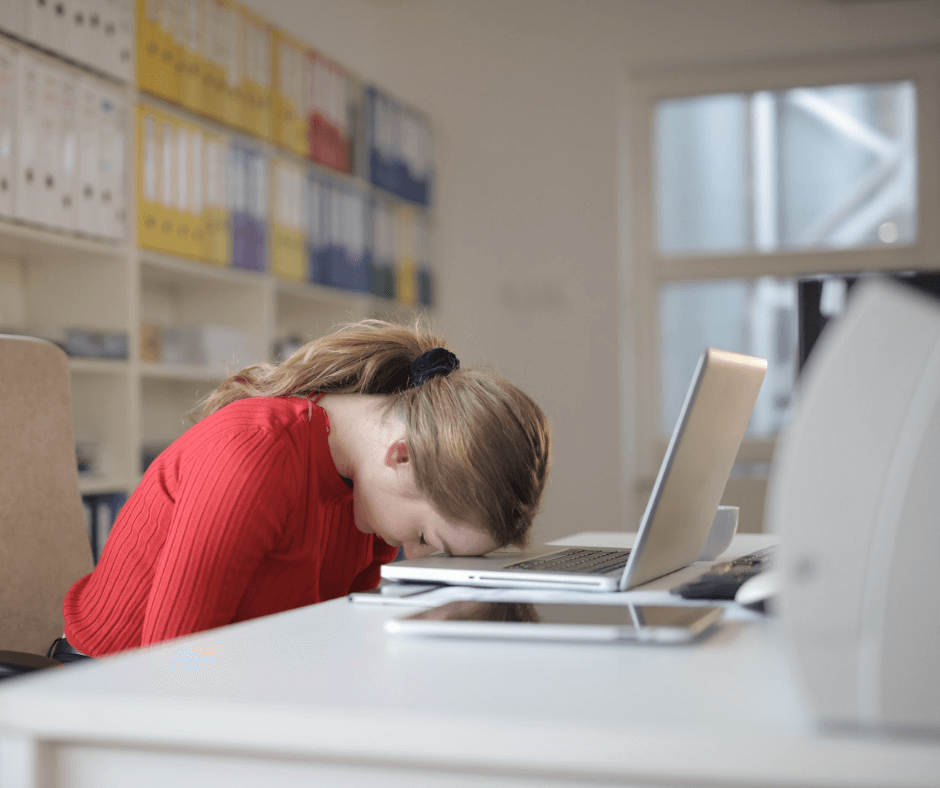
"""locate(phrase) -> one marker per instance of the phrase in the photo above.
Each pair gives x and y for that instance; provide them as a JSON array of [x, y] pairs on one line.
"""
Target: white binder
[[50, 25], [112, 163], [28, 186], [114, 56], [63, 207], [8, 89], [73, 41], [88, 217], [93, 33], [13, 17], [79, 44]]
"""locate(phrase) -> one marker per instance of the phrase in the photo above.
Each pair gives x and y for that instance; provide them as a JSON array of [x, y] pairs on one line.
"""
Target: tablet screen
[[528, 619]]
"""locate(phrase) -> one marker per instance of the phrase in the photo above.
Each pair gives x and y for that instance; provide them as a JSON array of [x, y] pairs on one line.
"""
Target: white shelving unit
[[124, 408]]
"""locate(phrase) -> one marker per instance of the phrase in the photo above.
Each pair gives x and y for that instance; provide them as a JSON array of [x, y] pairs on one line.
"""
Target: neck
[[359, 431]]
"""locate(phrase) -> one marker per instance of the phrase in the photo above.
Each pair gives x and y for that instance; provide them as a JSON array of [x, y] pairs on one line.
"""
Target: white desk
[[322, 695]]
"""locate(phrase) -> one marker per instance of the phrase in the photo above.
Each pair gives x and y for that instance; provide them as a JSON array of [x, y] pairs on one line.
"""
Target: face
[[390, 505]]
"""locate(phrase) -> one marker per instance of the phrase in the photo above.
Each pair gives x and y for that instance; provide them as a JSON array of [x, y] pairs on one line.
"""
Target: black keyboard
[[723, 580], [577, 560]]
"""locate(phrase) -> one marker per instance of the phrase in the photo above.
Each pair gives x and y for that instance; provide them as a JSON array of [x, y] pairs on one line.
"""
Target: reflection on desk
[[322, 693]]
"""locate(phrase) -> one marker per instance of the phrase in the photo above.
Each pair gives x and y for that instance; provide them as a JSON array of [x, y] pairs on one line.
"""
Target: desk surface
[[324, 688]]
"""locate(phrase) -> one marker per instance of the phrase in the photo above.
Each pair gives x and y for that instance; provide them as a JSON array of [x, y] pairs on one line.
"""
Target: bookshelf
[[51, 280]]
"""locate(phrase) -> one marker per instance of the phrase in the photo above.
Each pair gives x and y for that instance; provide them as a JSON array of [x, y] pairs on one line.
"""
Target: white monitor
[[855, 496]]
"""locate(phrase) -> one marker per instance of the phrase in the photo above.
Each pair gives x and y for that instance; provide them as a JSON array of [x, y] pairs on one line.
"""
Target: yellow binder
[[288, 94], [288, 239], [157, 49]]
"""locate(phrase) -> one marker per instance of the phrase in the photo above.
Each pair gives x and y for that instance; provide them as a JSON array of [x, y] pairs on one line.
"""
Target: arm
[[231, 510]]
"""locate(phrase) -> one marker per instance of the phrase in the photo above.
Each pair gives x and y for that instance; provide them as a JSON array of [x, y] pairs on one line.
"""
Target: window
[[745, 182], [805, 168]]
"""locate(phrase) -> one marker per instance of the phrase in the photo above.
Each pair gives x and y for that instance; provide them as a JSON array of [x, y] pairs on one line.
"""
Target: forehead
[[461, 538]]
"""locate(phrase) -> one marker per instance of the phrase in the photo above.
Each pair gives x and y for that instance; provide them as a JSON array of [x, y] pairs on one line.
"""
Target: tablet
[[555, 621]]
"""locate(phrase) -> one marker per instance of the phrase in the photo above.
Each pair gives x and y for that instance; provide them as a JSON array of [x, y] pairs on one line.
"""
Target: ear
[[397, 454]]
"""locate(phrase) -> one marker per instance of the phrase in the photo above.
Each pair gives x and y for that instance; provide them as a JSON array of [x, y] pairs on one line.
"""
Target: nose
[[417, 550]]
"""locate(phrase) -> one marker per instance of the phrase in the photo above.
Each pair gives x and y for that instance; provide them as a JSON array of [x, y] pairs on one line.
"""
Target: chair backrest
[[44, 544]]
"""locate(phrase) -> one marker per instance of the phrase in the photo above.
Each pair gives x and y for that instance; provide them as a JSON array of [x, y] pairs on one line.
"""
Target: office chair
[[44, 544]]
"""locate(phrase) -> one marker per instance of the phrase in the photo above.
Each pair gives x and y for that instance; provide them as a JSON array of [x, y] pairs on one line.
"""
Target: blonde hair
[[480, 447]]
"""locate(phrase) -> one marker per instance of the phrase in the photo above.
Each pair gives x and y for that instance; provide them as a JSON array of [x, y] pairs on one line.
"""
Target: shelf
[[30, 243], [182, 372], [329, 295], [168, 267], [103, 366], [91, 485]]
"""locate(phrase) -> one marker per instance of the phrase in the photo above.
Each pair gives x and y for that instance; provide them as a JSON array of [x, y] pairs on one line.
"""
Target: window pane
[[799, 169], [702, 175], [757, 317]]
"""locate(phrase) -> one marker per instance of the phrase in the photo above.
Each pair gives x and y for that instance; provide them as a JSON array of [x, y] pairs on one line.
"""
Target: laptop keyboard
[[577, 560]]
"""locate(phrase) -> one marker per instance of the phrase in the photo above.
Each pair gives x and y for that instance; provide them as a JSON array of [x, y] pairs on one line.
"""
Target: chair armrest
[[13, 663]]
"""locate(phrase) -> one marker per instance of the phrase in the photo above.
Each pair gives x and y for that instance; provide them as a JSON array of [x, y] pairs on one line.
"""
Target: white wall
[[526, 98]]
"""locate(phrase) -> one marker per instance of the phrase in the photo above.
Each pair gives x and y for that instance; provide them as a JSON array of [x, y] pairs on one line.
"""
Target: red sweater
[[244, 515]]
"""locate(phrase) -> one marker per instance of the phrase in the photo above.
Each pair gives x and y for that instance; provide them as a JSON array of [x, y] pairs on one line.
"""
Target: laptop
[[678, 516]]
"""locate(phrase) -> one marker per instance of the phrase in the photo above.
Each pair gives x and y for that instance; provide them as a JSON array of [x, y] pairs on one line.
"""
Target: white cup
[[723, 529]]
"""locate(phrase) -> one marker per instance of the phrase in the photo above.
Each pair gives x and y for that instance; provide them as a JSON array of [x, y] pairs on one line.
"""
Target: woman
[[302, 479]]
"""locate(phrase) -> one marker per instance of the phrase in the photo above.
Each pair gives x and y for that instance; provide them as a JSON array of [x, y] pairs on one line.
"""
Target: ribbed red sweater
[[244, 515]]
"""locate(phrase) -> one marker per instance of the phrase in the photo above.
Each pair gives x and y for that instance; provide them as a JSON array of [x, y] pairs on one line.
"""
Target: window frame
[[650, 270]]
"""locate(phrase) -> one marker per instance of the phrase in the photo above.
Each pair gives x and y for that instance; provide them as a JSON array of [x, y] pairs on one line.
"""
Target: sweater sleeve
[[231, 509], [369, 577]]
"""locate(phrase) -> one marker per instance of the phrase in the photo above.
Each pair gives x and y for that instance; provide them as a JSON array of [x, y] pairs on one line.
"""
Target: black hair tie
[[438, 361]]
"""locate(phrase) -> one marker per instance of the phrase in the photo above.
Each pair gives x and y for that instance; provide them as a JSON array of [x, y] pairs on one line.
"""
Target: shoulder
[[273, 414], [252, 425]]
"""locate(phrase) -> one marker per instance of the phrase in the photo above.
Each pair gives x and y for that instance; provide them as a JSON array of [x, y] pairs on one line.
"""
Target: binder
[[153, 44], [56, 37], [122, 53], [332, 234], [256, 76], [124, 49], [288, 94], [13, 17], [108, 36], [112, 162], [193, 200], [214, 79], [8, 110], [149, 171], [157, 49], [288, 256], [217, 220], [406, 255], [48, 126], [231, 40], [47, 25], [182, 180], [191, 49], [257, 210], [381, 263], [382, 131], [169, 185], [77, 46], [64, 199], [425, 282], [356, 246], [329, 139], [89, 218], [26, 186], [336, 274], [247, 231], [415, 158], [91, 32], [317, 249]]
